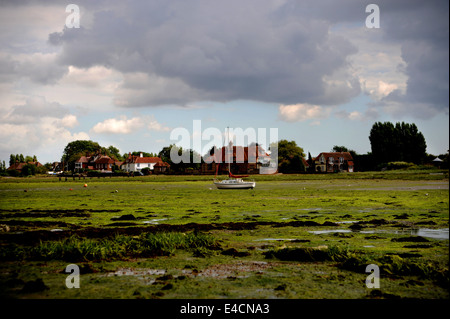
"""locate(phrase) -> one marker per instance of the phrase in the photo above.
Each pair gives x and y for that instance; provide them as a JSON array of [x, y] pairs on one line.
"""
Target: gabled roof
[[162, 164], [240, 154], [336, 155], [82, 159], [147, 160], [19, 166], [141, 159], [104, 160]]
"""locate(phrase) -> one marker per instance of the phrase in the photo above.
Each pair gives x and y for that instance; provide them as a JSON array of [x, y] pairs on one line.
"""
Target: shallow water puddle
[[430, 233], [237, 270], [274, 239], [318, 232], [137, 272], [154, 221], [442, 233], [141, 273]]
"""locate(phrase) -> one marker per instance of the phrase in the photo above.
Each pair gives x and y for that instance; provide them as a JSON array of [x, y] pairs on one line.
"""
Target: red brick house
[[334, 162], [18, 166], [98, 162], [135, 163], [161, 167], [243, 160]]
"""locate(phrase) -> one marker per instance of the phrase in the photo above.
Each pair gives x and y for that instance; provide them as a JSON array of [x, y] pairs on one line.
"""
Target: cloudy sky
[[134, 71]]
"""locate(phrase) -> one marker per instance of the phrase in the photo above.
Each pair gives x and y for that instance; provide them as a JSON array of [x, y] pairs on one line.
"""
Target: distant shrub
[[13, 173], [399, 165]]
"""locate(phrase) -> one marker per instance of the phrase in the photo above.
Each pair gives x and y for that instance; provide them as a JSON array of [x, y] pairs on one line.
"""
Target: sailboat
[[233, 181]]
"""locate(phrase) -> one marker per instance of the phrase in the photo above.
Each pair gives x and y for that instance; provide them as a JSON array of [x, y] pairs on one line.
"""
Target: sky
[[133, 73]]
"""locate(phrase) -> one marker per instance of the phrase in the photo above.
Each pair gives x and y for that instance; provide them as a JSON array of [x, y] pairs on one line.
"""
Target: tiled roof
[[336, 155], [240, 154], [82, 159], [19, 166], [104, 160], [147, 160], [162, 164]]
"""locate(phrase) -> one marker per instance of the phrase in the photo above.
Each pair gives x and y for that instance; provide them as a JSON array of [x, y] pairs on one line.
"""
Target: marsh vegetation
[[293, 236]]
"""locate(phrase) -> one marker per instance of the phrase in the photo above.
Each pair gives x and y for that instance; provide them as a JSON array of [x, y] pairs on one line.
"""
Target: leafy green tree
[[114, 152], [12, 159], [28, 159], [290, 156], [188, 158], [74, 150], [29, 169], [399, 142]]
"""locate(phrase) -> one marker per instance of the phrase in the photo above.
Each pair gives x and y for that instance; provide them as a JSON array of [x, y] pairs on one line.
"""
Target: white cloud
[[154, 125], [99, 77], [378, 64], [353, 116], [46, 137], [302, 112], [69, 121], [121, 125]]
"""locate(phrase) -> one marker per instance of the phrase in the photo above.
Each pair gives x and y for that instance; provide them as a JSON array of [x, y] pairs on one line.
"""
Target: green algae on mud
[[377, 219]]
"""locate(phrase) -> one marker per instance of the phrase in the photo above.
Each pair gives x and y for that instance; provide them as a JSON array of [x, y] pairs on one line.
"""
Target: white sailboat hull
[[234, 184]]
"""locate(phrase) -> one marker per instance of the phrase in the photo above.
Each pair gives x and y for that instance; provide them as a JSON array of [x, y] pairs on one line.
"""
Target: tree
[[290, 156], [28, 159], [74, 150], [188, 158], [114, 152], [402, 142], [29, 169], [12, 159], [311, 164]]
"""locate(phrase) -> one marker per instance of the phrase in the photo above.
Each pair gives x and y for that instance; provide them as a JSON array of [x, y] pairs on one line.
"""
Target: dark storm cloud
[[221, 50], [422, 28], [273, 51]]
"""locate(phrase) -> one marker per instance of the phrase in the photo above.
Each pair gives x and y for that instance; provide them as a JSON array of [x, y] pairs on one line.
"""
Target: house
[[19, 166], [98, 162], [243, 160], [161, 167], [83, 162], [333, 162], [135, 163], [103, 163]]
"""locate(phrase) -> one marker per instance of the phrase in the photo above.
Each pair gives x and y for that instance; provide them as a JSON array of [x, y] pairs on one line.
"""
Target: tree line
[[390, 143]]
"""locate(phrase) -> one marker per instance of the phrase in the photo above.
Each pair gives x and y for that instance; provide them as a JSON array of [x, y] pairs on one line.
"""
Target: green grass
[[75, 249], [47, 223]]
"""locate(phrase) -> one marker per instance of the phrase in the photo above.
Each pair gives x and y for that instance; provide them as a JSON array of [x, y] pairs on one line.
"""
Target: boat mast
[[228, 155]]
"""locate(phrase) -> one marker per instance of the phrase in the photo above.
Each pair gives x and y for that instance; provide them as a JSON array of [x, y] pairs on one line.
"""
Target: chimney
[[141, 155]]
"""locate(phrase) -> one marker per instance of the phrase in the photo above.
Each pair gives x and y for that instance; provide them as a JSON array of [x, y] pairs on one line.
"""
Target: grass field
[[293, 236]]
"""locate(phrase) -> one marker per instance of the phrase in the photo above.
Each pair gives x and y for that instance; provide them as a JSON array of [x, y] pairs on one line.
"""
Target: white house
[[135, 163]]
